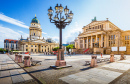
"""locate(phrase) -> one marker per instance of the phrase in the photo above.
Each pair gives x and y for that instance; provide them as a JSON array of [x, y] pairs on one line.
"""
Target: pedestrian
[[101, 55]]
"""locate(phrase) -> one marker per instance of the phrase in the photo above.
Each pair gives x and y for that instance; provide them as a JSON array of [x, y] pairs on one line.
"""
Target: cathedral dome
[[35, 20]]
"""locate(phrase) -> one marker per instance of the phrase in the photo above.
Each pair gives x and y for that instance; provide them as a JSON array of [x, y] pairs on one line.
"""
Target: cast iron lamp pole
[[59, 19]]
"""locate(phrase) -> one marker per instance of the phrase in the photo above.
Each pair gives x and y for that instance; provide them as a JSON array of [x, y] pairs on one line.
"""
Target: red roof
[[11, 40]]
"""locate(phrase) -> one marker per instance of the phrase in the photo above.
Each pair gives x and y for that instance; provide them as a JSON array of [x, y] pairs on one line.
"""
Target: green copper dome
[[35, 20]]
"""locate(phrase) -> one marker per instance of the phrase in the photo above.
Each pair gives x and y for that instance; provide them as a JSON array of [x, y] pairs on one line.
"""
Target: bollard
[[16, 57], [19, 58], [111, 57], [93, 61], [122, 56], [27, 62]]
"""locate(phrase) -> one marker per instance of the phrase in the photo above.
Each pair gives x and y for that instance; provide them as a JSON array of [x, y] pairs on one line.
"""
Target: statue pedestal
[[112, 58], [60, 58], [60, 63]]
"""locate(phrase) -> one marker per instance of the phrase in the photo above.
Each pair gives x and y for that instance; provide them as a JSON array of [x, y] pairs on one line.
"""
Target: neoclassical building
[[10, 44], [101, 36], [35, 42]]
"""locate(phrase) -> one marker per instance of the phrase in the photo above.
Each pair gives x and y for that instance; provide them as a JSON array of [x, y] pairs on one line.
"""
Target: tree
[[71, 46], [56, 48]]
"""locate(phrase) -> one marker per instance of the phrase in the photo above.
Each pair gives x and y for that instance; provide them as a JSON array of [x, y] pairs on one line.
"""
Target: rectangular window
[[111, 37], [85, 41], [31, 50], [97, 39], [35, 50], [125, 37], [128, 37], [31, 45], [89, 40], [26, 49], [114, 36], [103, 38], [109, 43], [26, 45], [81, 41], [93, 39]]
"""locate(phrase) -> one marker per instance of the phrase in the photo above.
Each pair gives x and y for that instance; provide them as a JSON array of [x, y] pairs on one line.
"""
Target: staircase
[[85, 51]]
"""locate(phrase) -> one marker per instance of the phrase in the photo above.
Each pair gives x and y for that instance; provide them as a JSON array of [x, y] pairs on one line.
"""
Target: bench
[[34, 62]]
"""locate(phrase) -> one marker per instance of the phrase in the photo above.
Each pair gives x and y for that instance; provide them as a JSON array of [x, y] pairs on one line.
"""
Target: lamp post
[[60, 23]]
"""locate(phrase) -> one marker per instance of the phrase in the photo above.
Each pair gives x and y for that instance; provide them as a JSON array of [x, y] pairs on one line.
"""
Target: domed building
[[35, 42]]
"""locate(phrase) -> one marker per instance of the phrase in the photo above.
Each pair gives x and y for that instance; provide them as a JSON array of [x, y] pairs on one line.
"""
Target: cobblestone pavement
[[79, 69], [10, 72]]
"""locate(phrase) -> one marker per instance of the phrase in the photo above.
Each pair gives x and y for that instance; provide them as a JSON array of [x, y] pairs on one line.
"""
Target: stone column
[[83, 44], [87, 42], [91, 42], [78, 43], [101, 40]]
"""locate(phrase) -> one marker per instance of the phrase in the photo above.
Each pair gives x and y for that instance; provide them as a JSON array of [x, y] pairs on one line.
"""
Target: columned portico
[[101, 40], [87, 42], [91, 42]]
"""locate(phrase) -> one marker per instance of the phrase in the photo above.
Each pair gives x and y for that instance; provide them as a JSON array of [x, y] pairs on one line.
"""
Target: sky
[[16, 16]]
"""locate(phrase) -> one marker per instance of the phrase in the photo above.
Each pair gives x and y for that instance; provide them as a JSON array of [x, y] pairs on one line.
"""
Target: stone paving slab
[[120, 66], [11, 72], [17, 78], [100, 76], [6, 80]]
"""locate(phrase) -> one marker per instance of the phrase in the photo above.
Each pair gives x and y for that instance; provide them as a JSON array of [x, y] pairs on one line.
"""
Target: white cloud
[[7, 33], [44, 33], [12, 21], [72, 33]]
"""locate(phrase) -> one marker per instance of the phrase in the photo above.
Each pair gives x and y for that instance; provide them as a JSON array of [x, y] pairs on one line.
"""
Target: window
[[31, 50], [35, 50], [125, 37], [34, 24], [35, 46], [85, 41], [109, 43], [45, 46], [81, 41], [93, 39], [128, 37], [26, 45], [31, 45], [34, 34], [100, 26], [114, 36], [103, 38], [42, 50], [89, 40], [42, 46], [98, 39], [111, 37], [26, 49]]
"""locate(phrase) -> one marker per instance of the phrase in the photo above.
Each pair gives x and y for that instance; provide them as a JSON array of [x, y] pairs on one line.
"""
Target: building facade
[[101, 36], [35, 42], [10, 44]]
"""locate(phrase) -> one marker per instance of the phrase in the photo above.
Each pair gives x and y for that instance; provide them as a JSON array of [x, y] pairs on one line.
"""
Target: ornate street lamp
[[60, 23]]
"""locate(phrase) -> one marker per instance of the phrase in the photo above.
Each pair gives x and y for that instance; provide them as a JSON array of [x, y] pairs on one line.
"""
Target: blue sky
[[16, 15]]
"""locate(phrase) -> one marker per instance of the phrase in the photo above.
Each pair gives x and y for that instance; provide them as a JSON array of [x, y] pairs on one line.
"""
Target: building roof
[[10, 40], [35, 20]]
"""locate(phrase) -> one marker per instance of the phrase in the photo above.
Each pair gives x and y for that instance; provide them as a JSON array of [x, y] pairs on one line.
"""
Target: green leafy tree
[[71, 46], [56, 48]]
